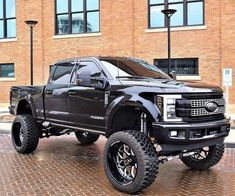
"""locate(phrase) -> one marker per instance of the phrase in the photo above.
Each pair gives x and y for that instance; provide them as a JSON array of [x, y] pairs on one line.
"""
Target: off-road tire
[[86, 139], [146, 159], [214, 156], [24, 127]]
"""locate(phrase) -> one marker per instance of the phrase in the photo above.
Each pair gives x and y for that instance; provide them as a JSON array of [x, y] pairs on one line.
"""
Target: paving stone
[[60, 166]]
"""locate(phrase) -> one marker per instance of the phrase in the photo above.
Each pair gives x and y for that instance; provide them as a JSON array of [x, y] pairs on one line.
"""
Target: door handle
[[72, 92], [49, 92]]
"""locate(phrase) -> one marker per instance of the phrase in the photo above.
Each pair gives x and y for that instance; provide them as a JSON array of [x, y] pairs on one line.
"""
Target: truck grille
[[197, 109], [204, 112], [202, 102]]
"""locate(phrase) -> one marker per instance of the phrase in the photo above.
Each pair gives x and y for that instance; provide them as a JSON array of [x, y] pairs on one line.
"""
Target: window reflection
[[11, 28], [7, 19], [84, 16], [7, 71], [177, 18], [195, 13], [78, 23], [189, 12], [62, 24], [93, 22], [10, 8]]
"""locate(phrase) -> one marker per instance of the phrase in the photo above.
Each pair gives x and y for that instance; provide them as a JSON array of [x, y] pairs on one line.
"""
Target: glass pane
[[171, 1], [77, 5], [163, 65], [11, 28], [63, 24], [177, 18], [92, 4], [62, 6], [78, 23], [7, 71], [62, 74], [187, 67], [195, 13], [10, 8], [156, 16], [1, 8], [156, 1], [1, 29], [93, 22]]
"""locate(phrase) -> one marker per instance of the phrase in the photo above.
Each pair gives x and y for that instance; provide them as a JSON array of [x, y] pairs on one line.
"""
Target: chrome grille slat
[[203, 112], [202, 102]]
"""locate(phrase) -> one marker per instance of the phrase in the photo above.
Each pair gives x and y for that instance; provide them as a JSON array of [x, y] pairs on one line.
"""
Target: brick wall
[[123, 33]]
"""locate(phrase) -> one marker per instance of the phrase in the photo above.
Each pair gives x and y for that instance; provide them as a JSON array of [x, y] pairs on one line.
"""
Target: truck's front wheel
[[25, 134], [130, 161], [205, 158]]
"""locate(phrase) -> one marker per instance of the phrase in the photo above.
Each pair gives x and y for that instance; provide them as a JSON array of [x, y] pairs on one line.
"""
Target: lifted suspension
[[179, 156]]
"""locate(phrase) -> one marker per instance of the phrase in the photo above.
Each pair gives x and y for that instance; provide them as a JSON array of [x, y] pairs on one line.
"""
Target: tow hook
[[179, 156]]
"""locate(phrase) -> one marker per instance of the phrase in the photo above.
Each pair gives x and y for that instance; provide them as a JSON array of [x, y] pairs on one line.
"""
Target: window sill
[[189, 28], [7, 79], [8, 40], [77, 35], [188, 78]]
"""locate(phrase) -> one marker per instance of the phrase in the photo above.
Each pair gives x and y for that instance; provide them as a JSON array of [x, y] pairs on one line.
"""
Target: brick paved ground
[[60, 166]]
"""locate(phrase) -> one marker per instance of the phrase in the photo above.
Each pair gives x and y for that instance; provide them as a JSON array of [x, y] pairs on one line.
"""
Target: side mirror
[[84, 78], [101, 83], [172, 75]]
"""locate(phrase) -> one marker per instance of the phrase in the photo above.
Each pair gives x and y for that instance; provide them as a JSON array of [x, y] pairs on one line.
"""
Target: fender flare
[[29, 100], [129, 101]]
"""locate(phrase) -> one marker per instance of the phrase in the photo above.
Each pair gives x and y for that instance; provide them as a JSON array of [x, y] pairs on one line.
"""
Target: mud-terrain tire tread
[[31, 134], [143, 148], [215, 155]]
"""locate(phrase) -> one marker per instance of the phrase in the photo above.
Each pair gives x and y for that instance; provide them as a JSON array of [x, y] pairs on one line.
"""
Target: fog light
[[180, 134], [174, 133]]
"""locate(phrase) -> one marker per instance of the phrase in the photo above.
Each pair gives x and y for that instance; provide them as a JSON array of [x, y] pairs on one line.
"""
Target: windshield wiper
[[134, 77]]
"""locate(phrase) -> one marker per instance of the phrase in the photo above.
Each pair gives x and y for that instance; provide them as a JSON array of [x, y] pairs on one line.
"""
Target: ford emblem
[[211, 107]]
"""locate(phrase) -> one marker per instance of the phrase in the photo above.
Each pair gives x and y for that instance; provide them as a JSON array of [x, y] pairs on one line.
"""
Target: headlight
[[166, 104]]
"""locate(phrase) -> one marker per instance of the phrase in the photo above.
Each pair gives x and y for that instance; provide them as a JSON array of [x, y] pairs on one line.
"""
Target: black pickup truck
[[148, 117]]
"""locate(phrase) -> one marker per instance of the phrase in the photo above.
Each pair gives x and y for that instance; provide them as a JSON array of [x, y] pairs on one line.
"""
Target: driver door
[[86, 104]]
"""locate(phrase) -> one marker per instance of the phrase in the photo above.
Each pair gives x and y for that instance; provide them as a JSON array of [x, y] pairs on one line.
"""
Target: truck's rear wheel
[[86, 138], [25, 134], [130, 161], [205, 158]]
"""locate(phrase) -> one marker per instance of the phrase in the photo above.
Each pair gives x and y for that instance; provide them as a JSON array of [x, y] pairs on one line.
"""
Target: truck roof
[[68, 60]]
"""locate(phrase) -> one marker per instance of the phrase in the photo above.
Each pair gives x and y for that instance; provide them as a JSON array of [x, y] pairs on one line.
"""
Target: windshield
[[128, 67]]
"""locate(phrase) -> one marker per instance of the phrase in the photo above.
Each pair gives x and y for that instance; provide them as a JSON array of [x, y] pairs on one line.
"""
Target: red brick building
[[203, 34]]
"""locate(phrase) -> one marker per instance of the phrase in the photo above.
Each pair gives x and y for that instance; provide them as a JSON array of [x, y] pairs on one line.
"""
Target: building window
[[77, 16], [188, 66], [189, 13], [7, 70], [7, 19]]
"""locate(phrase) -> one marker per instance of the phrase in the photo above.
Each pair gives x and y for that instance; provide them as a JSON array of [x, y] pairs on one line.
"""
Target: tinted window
[[180, 66], [95, 71], [125, 67], [62, 74], [7, 71]]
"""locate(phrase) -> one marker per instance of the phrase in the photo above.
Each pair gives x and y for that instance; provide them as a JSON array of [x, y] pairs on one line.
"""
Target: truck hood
[[170, 86]]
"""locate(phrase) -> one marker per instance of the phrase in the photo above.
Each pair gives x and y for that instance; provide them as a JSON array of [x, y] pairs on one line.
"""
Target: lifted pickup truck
[[148, 117]]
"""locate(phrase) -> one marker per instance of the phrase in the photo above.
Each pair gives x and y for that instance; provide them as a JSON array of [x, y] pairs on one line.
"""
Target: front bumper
[[191, 134]]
